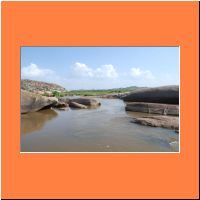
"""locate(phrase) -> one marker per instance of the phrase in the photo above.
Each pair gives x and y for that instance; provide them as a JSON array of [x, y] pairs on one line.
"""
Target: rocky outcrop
[[77, 105], [31, 102], [40, 87], [153, 108], [159, 121], [86, 101], [164, 94]]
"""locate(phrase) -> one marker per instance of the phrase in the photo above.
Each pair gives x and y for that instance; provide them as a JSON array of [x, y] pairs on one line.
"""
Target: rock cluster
[[161, 102], [31, 102]]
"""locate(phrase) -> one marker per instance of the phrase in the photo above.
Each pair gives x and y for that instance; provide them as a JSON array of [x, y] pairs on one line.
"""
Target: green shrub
[[58, 94]]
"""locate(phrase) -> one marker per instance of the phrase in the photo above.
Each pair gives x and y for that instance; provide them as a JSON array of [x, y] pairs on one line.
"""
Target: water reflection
[[35, 121]]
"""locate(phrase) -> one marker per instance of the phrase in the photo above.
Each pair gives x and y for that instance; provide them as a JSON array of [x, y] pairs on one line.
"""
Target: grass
[[98, 92], [91, 92]]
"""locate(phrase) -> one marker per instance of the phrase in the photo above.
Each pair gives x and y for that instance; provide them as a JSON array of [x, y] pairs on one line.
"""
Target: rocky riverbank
[[31, 102], [161, 102]]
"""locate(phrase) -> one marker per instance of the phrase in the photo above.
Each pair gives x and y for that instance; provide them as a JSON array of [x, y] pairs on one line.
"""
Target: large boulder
[[153, 108], [164, 94], [87, 102], [31, 102]]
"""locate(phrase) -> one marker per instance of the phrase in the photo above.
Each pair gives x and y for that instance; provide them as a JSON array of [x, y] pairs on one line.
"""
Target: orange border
[[99, 24]]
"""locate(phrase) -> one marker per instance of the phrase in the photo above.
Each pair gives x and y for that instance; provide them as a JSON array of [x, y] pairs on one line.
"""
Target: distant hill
[[39, 86], [51, 89]]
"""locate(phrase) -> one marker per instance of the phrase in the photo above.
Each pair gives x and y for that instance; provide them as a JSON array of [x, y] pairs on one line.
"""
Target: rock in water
[[60, 105], [31, 102], [87, 102], [153, 108], [64, 100], [164, 94], [159, 121], [77, 105]]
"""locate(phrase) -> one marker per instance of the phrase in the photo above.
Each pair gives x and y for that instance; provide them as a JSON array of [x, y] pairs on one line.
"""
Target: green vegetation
[[58, 94], [50, 89], [99, 92], [54, 94]]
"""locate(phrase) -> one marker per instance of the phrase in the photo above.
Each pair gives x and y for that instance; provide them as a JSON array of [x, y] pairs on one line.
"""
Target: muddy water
[[108, 128]]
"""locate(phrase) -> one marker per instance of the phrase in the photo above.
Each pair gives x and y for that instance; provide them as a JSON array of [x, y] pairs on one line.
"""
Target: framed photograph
[[100, 100]]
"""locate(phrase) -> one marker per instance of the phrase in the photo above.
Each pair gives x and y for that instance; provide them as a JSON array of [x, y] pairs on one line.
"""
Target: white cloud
[[83, 69], [139, 73], [33, 71], [105, 71]]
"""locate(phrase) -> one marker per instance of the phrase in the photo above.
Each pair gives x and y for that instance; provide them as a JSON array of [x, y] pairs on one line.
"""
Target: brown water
[[108, 128]]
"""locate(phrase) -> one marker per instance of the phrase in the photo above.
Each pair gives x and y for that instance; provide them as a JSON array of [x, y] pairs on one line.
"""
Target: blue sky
[[101, 67]]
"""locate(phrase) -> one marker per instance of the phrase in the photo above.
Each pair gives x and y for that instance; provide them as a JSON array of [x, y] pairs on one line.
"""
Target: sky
[[101, 67]]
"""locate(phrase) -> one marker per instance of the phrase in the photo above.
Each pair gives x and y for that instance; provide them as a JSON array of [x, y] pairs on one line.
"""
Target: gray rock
[[87, 102], [153, 108], [164, 94], [31, 102], [77, 105], [159, 121]]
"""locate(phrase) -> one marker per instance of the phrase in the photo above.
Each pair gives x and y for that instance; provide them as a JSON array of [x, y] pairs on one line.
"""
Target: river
[[108, 128]]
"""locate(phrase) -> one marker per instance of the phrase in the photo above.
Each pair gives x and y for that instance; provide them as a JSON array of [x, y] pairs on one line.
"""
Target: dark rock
[[164, 94], [60, 105], [62, 109]]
